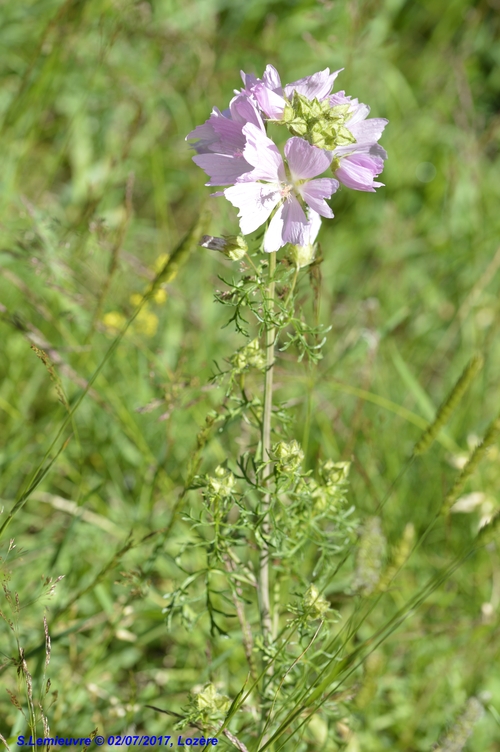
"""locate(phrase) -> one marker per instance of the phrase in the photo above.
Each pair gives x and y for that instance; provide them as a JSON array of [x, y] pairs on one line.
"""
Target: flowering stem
[[265, 606]]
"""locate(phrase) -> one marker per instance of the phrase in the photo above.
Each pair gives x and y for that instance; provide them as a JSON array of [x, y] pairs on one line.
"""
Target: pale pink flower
[[273, 186]]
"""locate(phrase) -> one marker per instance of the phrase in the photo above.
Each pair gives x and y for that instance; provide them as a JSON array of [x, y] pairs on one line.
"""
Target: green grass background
[[96, 98]]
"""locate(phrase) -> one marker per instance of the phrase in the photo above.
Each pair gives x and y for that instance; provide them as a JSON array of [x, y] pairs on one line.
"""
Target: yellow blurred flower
[[113, 321], [136, 298], [147, 323], [160, 262], [160, 296]]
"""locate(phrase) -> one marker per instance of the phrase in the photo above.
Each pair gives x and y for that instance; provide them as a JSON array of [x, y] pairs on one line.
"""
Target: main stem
[[265, 604]]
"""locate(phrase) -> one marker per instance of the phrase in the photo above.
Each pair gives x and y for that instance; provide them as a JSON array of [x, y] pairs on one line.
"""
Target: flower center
[[286, 190]]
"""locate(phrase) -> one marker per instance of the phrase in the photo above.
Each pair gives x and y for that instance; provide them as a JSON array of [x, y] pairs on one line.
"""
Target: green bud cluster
[[334, 473], [210, 700], [205, 708], [315, 605], [221, 484], [318, 122], [330, 492], [288, 456], [250, 355]]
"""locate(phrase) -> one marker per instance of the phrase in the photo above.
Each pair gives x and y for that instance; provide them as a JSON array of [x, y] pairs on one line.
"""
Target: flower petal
[[263, 154], [205, 134], [272, 79], [313, 227], [377, 151], [317, 86], [222, 169], [273, 239], [294, 222], [249, 80], [315, 191], [271, 103], [255, 202], [244, 111], [305, 160], [359, 170], [367, 131]]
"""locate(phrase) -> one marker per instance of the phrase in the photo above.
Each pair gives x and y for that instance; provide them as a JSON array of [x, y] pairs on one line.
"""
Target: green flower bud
[[255, 354], [287, 455], [314, 603], [249, 355], [298, 127], [334, 473], [319, 123], [302, 255], [344, 137], [210, 700], [222, 484]]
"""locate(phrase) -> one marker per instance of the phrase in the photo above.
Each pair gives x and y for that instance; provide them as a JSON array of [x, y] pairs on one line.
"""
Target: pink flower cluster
[[234, 150]]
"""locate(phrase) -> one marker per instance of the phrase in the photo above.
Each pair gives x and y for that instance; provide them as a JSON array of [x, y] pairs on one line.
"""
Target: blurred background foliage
[[96, 187]]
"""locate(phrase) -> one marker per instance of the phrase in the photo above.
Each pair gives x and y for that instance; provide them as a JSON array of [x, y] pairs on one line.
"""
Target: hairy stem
[[264, 605]]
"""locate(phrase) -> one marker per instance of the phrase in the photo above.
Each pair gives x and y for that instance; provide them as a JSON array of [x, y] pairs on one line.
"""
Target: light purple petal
[[243, 111], [317, 86], [222, 169], [313, 227], [255, 202], [263, 154], [305, 160], [315, 191], [359, 170], [367, 131], [377, 151], [222, 132], [357, 113], [340, 97], [271, 103], [289, 225], [249, 80], [230, 138], [273, 239], [294, 221], [272, 79], [205, 134]]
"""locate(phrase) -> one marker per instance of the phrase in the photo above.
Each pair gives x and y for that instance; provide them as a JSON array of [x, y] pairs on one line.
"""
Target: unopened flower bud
[[249, 355], [234, 247], [223, 483], [210, 700], [302, 255], [333, 473], [314, 603], [287, 455]]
